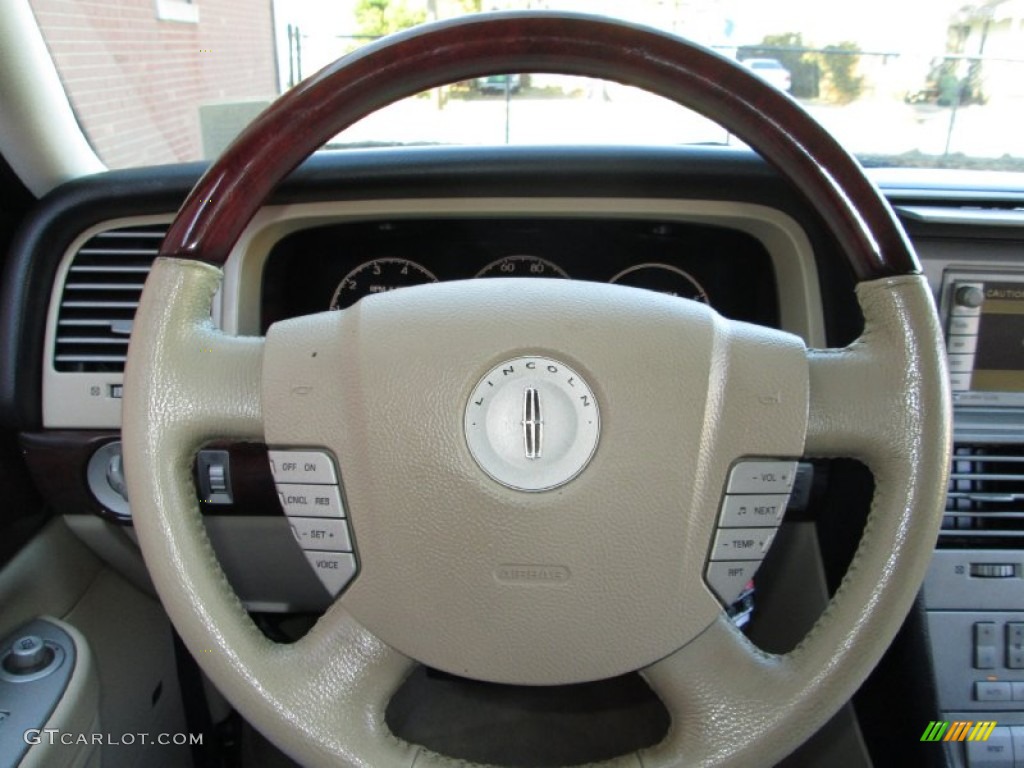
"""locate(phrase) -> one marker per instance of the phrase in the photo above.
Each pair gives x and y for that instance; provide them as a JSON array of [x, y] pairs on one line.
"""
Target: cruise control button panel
[[308, 489]]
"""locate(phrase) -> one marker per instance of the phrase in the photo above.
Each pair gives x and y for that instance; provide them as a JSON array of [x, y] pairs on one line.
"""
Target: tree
[[376, 18], [840, 62], [789, 48]]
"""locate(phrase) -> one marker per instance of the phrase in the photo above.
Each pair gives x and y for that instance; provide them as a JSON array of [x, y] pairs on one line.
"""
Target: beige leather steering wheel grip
[[384, 384]]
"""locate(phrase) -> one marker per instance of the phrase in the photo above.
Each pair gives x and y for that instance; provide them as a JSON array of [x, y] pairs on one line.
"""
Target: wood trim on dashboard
[[58, 462]]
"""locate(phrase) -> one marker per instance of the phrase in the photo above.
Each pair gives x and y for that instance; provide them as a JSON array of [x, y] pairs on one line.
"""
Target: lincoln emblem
[[527, 408], [533, 424]]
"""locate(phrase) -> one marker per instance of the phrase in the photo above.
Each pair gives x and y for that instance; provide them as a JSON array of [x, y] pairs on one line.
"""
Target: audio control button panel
[[755, 500]]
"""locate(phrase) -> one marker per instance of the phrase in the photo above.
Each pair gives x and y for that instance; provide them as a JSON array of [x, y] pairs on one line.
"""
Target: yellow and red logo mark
[[958, 730]]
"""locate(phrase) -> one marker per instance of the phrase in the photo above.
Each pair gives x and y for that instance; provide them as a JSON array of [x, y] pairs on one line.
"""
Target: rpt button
[[728, 579], [302, 467], [311, 500], [742, 543], [762, 477]]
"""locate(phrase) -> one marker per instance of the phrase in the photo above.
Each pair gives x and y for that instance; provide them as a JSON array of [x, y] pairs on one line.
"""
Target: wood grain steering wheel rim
[[884, 400]]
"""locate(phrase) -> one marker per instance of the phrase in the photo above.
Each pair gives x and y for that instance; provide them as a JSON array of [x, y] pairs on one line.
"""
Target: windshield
[[923, 83]]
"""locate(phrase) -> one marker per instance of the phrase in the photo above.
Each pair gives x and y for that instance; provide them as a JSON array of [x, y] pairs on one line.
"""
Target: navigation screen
[[999, 357]]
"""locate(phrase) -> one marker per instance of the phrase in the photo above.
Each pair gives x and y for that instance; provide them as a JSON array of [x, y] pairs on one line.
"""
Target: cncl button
[[305, 500]]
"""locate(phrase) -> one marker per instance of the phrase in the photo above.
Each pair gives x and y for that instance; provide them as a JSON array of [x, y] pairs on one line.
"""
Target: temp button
[[742, 543]]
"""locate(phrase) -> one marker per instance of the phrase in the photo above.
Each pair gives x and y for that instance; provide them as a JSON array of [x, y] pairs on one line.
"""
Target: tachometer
[[379, 276], [522, 266], [663, 278]]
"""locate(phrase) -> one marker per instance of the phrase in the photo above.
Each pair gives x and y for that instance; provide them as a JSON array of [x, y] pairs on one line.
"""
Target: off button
[[302, 467], [301, 500]]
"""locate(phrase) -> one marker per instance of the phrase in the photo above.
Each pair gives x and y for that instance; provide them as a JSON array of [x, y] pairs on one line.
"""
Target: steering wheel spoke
[[869, 400], [200, 383]]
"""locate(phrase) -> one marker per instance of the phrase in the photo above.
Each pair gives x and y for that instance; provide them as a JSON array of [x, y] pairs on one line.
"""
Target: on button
[[302, 467]]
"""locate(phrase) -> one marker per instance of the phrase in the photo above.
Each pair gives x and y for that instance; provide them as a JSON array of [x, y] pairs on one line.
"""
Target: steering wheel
[[587, 559]]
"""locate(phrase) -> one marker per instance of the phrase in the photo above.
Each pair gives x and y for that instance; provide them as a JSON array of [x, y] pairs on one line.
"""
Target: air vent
[[101, 294], [985, 505]]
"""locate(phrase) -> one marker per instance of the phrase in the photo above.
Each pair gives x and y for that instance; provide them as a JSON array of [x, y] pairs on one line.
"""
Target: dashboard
[[336, 265], [716, 226]]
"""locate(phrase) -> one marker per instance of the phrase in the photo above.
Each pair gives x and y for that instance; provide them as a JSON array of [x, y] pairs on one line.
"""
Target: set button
[[322, 534]]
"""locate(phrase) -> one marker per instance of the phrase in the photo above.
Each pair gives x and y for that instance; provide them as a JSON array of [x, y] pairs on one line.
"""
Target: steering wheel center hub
[[532, 423]]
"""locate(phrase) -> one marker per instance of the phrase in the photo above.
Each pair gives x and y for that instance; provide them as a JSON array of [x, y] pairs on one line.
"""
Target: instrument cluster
[[334, 266]]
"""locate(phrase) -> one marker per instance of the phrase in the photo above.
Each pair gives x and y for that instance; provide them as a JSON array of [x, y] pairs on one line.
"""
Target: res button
[[303, 500]]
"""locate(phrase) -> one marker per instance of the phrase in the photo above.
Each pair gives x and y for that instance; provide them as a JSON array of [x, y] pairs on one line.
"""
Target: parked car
[[771, 71], [499, 84]]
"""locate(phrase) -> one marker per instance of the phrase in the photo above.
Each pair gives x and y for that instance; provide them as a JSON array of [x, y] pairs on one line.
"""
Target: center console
[[974, 591]]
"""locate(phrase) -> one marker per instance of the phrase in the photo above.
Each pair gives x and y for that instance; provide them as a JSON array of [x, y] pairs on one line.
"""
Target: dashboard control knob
[[993, 570], [970, 296], [28, 654], [115, 476]]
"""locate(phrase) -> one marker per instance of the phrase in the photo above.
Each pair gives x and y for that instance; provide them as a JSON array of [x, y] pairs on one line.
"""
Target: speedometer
[[379, 276], [522, 266], [663, 278]]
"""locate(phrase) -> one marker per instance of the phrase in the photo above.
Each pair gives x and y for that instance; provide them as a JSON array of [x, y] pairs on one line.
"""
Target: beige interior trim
[[39, 134], [30, 584], [786, 243], [69, 401]]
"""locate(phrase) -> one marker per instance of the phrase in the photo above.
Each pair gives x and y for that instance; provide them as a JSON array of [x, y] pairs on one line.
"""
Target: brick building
[[138, 71]]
